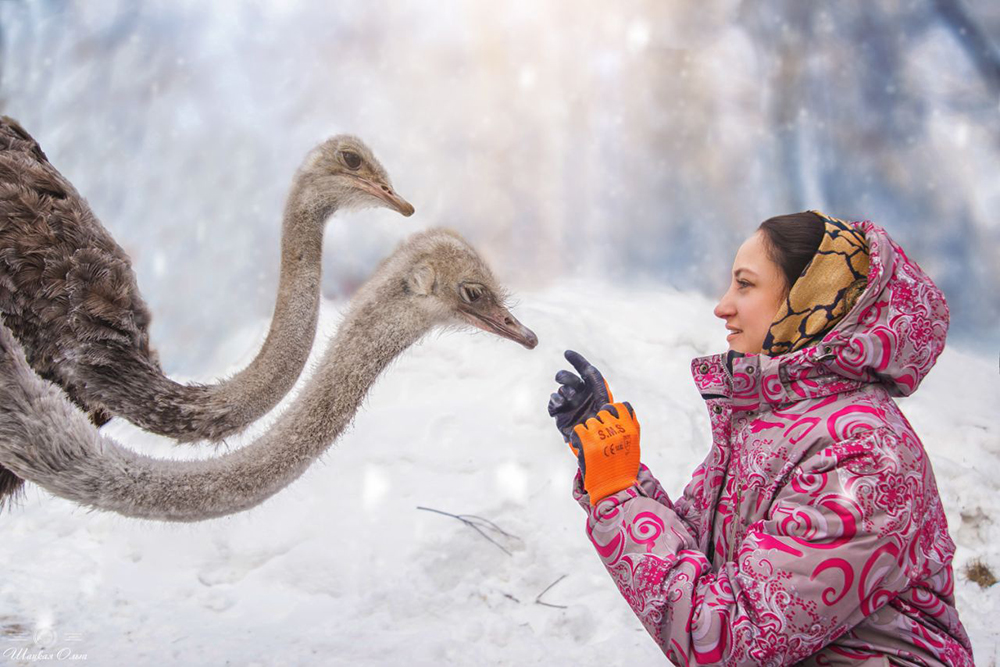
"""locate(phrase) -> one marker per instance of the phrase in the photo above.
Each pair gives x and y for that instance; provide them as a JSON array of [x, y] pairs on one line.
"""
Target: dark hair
[[792, 240]]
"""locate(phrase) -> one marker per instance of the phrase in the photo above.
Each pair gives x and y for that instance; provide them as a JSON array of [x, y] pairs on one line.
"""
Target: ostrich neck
[[275, 369], [383, 323]]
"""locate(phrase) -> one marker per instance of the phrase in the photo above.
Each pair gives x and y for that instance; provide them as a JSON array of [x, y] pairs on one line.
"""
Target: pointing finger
[[578, 361], [590, 375]]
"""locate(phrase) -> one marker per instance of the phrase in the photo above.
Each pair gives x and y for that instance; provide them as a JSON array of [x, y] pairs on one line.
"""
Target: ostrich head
[[342, 173], [453, 285]]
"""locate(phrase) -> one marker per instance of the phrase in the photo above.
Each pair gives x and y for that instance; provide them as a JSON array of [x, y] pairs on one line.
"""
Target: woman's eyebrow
[[742, 269]]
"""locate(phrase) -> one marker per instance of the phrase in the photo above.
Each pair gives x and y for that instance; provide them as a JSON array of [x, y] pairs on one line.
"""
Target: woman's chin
[[736, 344]]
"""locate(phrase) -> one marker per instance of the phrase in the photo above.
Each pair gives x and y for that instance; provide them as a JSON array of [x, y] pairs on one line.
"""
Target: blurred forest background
[[638, 142]]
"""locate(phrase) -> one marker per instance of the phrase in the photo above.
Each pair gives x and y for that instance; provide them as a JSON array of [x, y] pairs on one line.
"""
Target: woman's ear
[[422, 280]]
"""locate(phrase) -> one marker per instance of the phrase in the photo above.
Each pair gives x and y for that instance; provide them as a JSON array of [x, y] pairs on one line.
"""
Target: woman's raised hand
[[579, 397], [607, 449]]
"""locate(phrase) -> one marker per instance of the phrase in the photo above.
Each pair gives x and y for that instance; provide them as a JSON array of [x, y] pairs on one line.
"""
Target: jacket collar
[[755, 380]]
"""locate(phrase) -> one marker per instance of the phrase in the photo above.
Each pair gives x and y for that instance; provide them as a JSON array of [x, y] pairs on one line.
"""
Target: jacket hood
[[892, 336]]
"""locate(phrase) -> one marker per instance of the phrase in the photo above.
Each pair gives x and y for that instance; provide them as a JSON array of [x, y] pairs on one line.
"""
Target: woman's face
[[755, 293]]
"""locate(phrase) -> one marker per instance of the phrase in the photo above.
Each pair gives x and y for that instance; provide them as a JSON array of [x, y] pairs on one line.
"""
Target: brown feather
[[67, 290]]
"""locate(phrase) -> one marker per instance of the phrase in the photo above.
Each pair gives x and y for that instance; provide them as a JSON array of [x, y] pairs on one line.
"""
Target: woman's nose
[[724, 309]]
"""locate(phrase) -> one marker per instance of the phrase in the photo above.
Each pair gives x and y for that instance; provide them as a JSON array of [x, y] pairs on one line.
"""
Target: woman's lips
[[734, 333]]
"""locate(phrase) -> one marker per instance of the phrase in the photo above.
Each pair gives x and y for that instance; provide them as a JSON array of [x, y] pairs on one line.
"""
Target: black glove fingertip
[[579, 363]]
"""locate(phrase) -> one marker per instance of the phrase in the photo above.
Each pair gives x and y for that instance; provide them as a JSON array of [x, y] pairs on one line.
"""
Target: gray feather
[[45, 439]]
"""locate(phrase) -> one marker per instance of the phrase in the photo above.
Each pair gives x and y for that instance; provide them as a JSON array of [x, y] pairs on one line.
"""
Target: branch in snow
[[538, 599], [477, 523]]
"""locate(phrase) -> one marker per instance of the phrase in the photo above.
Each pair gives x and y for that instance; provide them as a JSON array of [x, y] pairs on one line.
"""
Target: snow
[[342, 569]]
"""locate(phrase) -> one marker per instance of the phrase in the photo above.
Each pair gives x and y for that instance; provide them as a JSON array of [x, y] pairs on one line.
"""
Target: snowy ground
[[342, 569]]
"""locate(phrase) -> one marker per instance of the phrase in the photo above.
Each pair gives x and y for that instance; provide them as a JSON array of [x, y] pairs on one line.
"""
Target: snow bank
[[341, 568]]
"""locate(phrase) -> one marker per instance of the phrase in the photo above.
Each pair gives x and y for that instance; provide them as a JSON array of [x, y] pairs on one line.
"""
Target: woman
[[813, 531]]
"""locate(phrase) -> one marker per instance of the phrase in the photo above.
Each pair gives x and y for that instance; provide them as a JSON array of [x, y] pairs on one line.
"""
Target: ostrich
[[69, 295], [434, 278]]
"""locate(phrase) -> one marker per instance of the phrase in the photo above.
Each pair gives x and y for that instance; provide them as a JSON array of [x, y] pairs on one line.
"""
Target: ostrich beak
[[500, 322], [385, 193]]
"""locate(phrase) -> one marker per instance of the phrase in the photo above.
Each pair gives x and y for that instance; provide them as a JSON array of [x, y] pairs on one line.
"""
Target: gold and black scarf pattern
[[827, 289]]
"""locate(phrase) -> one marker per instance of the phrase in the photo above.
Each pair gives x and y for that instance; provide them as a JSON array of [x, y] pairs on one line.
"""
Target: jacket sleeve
[[829, 553], [692, 504]]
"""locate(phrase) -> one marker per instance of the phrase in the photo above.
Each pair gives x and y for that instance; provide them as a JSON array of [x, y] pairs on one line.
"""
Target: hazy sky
[[639, 141]]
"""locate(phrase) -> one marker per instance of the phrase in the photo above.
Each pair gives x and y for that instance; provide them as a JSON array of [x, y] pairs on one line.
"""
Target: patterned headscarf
[[827, 289]]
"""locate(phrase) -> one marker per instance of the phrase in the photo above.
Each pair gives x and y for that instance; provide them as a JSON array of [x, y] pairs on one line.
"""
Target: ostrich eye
[[472, 293], [351, 159]]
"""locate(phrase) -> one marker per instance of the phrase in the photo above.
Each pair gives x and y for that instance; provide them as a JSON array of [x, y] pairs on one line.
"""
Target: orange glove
[[607, 448]]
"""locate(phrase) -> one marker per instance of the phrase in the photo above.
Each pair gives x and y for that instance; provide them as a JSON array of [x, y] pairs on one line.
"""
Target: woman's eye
[[351, 159], [744, 283]]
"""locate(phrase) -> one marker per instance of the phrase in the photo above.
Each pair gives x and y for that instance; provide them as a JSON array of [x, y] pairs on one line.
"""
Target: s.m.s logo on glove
[[607, 449]]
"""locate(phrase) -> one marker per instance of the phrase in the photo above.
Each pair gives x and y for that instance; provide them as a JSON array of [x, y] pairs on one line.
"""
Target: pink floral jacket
[[813, 531]]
